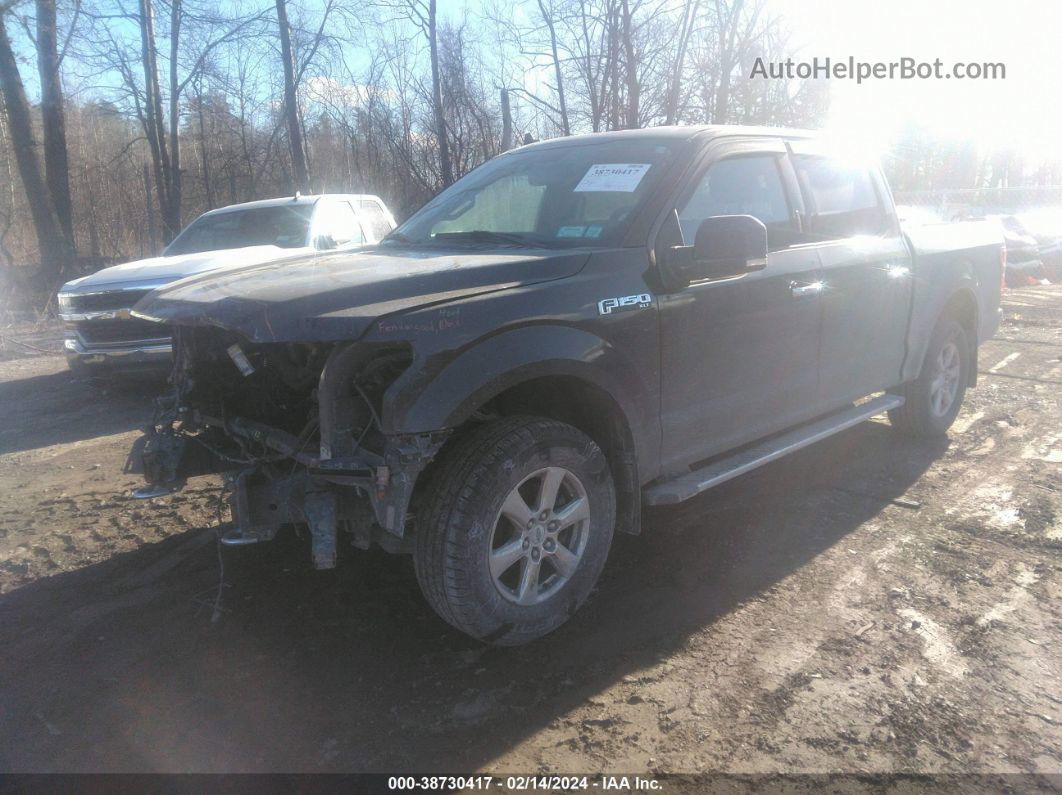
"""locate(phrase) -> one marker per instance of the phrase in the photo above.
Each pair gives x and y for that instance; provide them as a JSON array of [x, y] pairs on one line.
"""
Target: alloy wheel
[[945, 383], [539, 536]]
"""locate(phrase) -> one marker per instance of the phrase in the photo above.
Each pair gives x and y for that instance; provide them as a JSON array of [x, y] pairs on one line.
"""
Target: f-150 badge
[[641, 301]]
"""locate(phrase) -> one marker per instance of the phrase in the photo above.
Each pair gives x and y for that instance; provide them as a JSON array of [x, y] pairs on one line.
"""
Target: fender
[[952, 262], [931, 298], [424, 400]]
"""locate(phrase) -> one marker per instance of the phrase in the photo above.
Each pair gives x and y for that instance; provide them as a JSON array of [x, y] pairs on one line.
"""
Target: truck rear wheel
[[933, 400], [515, 529]]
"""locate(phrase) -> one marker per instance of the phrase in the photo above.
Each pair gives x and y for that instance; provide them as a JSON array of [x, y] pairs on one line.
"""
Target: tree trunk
[[151, 232], [154, 128], [613, 61], [445, 166], [6, 219], [300, 174], [727, 31], [53, 121], [175, 192], [204, 158], [674, 89], [633, 86], [507, 122], [55, 252], [562, 104]]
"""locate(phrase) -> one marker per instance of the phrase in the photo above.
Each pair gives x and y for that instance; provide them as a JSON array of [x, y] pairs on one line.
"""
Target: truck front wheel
[[515, 529], [933, 400]]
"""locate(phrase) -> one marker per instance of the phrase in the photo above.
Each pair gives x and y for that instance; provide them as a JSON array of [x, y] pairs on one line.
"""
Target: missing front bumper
[[366, 495]]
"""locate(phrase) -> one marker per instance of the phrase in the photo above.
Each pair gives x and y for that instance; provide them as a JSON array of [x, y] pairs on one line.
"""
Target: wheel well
[[590, 409], [963, 307]]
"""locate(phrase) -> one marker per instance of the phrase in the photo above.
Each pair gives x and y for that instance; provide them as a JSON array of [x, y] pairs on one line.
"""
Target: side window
[[338, 224], [374, 217], [746, 185], [841, 199]]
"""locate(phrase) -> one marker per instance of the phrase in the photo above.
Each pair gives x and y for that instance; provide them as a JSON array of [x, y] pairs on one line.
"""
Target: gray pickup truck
[[574, 329]]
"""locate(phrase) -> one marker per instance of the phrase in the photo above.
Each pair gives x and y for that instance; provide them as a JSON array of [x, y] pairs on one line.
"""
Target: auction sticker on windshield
[[614, 177]]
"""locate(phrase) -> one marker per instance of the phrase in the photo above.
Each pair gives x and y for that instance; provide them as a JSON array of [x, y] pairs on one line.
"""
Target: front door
[[740, 354]]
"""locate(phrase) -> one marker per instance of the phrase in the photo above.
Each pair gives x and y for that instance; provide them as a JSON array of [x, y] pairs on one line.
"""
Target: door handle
[[799, 289]]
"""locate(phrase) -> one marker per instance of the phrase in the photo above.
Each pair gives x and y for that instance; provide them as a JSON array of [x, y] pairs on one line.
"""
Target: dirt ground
[[870, 604]]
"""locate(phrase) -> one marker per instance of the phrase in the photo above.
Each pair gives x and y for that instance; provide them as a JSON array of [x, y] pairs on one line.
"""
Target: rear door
[[866, 273], [739, 355]]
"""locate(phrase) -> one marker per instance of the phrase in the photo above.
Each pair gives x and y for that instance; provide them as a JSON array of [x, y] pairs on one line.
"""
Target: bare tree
[[548, 17], [56, 254], [507, 122], [431, 30], [152, 119], [53, 118], [300, 173], [674, 87], [194, 112], [424, 14]]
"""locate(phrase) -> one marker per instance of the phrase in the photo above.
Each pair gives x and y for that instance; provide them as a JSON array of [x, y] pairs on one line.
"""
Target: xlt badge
[[641, 300]]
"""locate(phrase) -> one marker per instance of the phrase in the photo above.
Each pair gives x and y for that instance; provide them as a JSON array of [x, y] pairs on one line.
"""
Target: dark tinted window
[[841, 198], [286, 227], [374, 218], [749, 185]]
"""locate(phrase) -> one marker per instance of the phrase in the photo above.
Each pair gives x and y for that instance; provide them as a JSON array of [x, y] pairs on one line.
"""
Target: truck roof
[[291, 201], [674, 132]]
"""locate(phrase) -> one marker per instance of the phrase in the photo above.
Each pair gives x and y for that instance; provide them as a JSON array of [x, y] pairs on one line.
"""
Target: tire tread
[[913, 417], [450, 502]]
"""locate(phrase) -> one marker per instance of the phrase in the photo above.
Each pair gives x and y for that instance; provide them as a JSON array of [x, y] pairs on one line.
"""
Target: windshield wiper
[[484, 236]]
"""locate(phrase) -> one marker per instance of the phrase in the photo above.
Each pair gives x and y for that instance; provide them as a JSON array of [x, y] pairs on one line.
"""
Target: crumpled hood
[[160, 270], [332, 297]]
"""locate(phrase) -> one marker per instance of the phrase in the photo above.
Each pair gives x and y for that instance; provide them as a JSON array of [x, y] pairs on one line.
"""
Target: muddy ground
[[870, 604]]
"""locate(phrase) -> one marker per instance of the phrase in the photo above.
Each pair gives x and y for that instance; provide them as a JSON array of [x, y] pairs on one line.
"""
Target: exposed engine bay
[[297, 429]]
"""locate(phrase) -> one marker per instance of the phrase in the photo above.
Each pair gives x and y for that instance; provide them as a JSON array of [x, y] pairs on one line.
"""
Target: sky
[[1024, 110]]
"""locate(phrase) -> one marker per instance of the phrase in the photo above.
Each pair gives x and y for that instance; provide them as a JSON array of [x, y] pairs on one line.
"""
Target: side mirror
[[725, 245], [325, 243]]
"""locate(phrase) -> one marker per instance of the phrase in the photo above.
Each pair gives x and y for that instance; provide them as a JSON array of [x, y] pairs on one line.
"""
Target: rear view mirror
[[725, 245]]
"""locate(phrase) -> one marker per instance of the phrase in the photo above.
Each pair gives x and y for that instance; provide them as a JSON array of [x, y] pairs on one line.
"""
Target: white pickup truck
[[99, 329]]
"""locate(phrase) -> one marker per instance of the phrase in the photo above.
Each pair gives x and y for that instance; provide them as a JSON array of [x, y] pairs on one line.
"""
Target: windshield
[[283, 226], [578, 195]]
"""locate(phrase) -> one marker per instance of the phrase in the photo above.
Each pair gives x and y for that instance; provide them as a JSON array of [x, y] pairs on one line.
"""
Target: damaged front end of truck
[[296, 429]]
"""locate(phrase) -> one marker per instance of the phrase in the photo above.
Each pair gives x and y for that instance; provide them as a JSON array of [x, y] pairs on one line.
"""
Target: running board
[[685, 486]]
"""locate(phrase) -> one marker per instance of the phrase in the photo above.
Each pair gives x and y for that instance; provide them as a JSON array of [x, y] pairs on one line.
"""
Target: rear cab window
[[376, 222], [842, 198], [336, 225]]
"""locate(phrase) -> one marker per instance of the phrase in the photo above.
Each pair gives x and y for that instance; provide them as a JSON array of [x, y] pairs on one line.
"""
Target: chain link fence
[[957, 205], [1030, 220]]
